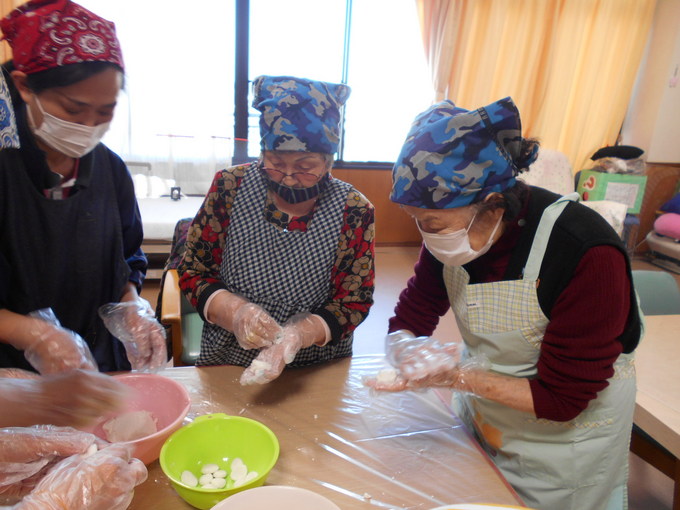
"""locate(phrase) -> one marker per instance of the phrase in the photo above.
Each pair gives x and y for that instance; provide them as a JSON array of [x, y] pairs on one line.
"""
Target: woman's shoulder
[[237, 170], [101, 153], [355, 198], [230, 177], [102, 157], [577, 222]]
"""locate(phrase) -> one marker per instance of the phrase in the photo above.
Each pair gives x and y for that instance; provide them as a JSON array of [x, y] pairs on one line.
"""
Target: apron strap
[[545, 226]]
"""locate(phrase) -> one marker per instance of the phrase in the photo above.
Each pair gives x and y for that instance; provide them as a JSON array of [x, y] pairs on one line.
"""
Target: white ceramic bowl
[[281, 497]]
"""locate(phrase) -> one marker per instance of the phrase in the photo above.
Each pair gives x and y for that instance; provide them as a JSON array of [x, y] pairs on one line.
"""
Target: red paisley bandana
[[45, 34]]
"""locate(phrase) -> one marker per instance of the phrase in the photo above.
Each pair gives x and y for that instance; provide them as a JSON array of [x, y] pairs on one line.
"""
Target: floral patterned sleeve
[[206, 239], [353, 274]]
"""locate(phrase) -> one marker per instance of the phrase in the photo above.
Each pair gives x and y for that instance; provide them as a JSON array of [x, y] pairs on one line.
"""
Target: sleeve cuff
[[206, 294], [327, 331], [206, 306], [332, 324], [137, 277]]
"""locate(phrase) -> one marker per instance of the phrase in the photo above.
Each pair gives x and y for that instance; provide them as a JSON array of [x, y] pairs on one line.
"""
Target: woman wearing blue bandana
[[541, 290], [279, 259]]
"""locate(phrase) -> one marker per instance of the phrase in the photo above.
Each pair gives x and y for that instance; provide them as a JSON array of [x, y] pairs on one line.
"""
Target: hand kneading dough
[[130, 426]]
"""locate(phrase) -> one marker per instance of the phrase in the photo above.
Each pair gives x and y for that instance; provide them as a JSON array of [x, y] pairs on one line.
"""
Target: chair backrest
[[658, 292], [182, 319]]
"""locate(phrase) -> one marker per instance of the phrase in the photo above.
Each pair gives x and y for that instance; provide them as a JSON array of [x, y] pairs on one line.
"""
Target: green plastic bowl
[[218, 439]]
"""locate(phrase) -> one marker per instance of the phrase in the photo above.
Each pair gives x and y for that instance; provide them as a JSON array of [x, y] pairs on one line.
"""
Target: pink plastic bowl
[[168, 402]]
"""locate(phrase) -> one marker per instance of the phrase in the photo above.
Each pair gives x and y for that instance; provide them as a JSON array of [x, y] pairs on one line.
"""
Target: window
[[372, 45], [178, 108]]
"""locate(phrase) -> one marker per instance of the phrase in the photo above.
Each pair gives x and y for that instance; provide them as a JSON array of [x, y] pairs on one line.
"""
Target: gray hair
[[329, 159]]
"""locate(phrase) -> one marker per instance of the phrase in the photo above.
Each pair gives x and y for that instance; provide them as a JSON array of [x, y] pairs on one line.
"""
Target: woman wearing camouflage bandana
[[279, 259], [542, 294]]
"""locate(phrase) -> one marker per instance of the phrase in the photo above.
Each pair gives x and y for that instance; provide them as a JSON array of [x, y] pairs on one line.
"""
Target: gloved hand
[[266, 367], [417, 357], [253, 326], [102, 481], [17, 373], [135, 325], [26, 453], [300, 331], [420, 362], [74, 398], [55, 349]]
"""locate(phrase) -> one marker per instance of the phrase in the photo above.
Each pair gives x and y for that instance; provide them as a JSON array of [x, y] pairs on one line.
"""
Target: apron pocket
[[578, 457]]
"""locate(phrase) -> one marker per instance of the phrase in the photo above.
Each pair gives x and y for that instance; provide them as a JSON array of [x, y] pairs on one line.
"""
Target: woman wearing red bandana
[[71, 227], [71, 236]]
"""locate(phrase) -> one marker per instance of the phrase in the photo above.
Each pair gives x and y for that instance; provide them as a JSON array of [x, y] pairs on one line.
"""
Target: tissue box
[[623, 188]]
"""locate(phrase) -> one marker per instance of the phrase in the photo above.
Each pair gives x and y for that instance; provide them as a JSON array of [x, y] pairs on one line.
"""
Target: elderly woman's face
[[441, 221], [480, 226], [295, 169]]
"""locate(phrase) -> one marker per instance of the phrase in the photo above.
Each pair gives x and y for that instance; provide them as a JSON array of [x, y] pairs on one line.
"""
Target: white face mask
[[69, 138], [453, 248]]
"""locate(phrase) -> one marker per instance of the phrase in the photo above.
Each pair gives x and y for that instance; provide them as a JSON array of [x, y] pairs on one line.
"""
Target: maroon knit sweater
[[579, 347]]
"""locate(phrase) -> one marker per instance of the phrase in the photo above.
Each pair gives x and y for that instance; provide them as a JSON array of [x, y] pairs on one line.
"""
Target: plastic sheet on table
[[356, 447]]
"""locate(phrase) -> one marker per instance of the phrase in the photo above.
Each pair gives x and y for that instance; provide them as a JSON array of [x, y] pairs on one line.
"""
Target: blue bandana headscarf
[[299, 114], [453, 157]]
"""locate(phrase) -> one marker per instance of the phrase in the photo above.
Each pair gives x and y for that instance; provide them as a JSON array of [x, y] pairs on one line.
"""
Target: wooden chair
[[185, 325], [174, 311]]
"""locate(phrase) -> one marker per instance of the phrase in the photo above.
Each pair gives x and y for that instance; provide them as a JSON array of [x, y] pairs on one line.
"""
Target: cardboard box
[[627, 189]]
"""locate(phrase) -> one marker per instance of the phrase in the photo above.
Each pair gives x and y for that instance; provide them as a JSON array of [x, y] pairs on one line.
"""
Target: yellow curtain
[[6, 6], [569, 65]]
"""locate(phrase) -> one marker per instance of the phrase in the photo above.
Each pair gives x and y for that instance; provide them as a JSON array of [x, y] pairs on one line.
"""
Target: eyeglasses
[[306, 178]]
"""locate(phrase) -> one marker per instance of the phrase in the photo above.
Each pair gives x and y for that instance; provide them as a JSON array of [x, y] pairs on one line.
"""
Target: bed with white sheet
[[159, 217]]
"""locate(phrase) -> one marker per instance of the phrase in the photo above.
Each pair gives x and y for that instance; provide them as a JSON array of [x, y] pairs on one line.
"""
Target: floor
[[649, 489]]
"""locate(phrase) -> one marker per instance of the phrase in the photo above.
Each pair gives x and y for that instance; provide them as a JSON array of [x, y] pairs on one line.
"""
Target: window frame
[[242, 87]]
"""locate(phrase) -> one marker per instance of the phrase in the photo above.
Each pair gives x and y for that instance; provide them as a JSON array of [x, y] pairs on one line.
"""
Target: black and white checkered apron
[[285, 272]]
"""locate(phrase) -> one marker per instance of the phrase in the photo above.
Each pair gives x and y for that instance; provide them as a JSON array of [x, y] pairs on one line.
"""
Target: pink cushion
[[668, 225]]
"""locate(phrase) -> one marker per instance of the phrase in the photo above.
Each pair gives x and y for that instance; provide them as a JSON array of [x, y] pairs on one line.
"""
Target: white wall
[[653, 120]]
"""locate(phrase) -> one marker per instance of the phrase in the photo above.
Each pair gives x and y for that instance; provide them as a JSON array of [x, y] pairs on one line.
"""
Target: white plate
[[281, 497]]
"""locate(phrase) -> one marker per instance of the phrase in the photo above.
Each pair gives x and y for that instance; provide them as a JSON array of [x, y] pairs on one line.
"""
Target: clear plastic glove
[[26, 453], [17, 373], [135, 325], [398, 342], [253, 326], [75, 398], [102, 481], [417, 357], [300, 331], [266, 367], [55, 349], [420, 362]]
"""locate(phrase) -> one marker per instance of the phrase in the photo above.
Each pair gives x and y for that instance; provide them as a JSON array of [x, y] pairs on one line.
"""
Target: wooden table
[[337, 438], [657, 405]]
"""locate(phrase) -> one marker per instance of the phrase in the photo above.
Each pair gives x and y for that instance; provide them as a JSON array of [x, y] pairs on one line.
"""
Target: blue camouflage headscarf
[[299, 114], [454, 157]]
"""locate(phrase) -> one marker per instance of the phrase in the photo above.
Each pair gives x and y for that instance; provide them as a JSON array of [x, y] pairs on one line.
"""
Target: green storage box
[[627, 189]]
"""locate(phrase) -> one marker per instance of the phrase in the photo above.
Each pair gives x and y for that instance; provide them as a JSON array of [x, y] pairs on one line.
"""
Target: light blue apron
[[581, 464]]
